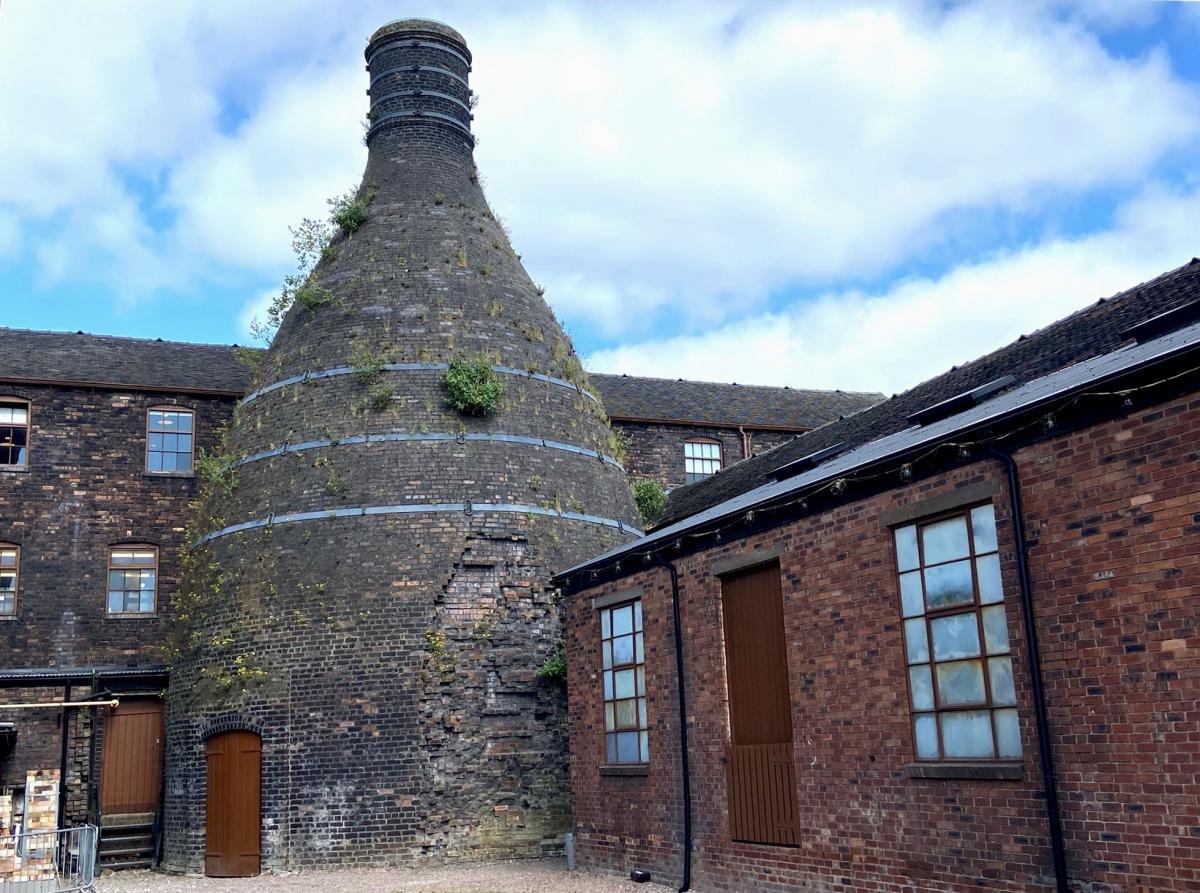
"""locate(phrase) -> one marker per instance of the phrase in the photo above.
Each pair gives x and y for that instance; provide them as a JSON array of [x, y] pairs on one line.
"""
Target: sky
[[821, 195]]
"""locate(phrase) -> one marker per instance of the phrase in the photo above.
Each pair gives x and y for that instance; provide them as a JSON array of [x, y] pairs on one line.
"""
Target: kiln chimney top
[[419, 89]]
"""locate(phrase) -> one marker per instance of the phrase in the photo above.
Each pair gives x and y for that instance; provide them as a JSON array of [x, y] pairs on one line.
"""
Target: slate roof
[[74, 357], [1035, 395], [638, 397], [78, 357], [1090, 332]]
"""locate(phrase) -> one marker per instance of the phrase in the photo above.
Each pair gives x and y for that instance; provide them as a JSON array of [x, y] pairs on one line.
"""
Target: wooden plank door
[[234, 805], [131, 771], [760, 767]]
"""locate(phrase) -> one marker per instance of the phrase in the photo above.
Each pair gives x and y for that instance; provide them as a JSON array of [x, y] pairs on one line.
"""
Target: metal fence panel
[[62, 861]]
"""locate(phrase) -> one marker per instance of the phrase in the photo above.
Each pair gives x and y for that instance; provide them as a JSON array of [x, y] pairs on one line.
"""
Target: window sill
[[168, 474], [131, 615], [632, 769], [20, 469], [970, 771]]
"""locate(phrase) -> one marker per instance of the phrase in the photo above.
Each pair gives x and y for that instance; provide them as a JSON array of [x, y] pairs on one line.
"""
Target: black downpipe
[[62, 765], [683, 732], [1053, 814], [93, 792]]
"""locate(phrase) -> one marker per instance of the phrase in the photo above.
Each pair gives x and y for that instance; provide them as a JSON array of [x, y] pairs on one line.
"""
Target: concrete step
[[126, 820], [125, 864], [126, 841]]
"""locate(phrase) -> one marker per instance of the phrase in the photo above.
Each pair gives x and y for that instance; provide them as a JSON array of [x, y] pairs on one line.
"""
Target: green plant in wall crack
[[368, 365], [377, 398], [335, 485], [554, 668], [472, 386], [443, 663], [369, 368], [217, 473], [651, 499], [349, 212]]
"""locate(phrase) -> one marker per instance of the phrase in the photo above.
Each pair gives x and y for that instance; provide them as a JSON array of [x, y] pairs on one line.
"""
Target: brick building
[[948, 643], [376, 669], [88, 485], [680, 431]]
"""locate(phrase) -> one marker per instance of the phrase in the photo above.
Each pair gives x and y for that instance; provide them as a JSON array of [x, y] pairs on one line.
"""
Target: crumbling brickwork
[[1114, 552]]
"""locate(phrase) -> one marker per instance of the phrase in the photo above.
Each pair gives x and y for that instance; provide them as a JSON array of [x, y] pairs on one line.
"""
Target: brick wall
[[85, 489], [1115, 539], [656, 450]]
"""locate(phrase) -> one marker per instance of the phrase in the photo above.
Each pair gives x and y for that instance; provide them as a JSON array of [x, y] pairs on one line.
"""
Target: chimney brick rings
[[419, 72]]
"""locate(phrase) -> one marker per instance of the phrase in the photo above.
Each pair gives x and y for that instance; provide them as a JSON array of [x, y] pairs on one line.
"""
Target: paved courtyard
[[542, 876]]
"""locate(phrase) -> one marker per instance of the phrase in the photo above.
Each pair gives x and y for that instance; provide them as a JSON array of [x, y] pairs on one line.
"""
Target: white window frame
[[702, 458]]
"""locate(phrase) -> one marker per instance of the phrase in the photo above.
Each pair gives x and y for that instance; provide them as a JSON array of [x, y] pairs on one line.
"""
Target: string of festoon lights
[[965, 449]]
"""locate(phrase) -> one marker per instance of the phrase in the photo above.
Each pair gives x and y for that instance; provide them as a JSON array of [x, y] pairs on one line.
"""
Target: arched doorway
[[234, 805]]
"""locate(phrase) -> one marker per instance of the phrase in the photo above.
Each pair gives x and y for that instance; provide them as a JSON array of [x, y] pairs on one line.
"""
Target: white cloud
[[919, 328], [254, 311], [681, 161], [691, 170]]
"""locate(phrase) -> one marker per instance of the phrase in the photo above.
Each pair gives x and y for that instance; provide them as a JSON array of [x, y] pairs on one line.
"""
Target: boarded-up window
[[761, 772]]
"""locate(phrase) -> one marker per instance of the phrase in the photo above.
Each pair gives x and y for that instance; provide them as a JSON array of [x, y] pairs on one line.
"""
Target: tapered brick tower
[[369, 604]]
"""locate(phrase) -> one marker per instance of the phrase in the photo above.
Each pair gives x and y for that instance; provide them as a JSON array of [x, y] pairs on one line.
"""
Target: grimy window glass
[[14, 432], [10, 568], [701, 458], [132, 579], [169, 441], [626, 735], [960, 673]]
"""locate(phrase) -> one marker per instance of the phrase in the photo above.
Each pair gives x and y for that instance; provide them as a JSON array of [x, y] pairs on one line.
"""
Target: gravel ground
[[528, 876]]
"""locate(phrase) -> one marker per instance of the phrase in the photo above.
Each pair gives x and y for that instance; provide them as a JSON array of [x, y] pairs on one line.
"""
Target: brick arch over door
[[230, 722]]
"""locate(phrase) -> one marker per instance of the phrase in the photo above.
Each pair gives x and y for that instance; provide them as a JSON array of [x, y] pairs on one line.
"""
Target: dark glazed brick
[[401, 715]]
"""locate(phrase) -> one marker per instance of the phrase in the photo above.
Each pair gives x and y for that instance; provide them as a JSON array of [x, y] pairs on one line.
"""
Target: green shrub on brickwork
[[554, 668], [472, 386], [651, 499], [349, 212]]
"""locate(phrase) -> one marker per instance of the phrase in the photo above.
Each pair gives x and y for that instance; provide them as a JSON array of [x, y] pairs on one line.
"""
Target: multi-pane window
[[701, 458], [169, 440], [956, 638], [14, 432], [132, 579], [626, 736], [10, 562]]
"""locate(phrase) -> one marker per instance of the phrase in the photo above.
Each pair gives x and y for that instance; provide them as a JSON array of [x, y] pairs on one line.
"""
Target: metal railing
[[62, 861]]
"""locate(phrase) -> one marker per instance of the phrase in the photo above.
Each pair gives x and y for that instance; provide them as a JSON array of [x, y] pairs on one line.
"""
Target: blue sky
[[815, 194]]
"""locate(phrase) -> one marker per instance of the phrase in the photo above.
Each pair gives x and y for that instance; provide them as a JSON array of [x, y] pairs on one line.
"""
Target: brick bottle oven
[[370, 606]]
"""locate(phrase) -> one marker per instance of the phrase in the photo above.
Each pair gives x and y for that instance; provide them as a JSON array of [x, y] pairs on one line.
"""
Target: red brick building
[[949, 643]]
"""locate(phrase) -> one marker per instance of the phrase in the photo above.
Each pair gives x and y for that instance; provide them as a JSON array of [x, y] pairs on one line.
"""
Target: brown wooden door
[[131, 772], [233, 814], [761, 773]]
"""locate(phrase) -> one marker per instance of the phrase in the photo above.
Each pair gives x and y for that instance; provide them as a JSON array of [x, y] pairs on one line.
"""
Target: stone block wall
[[1114, 551]]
